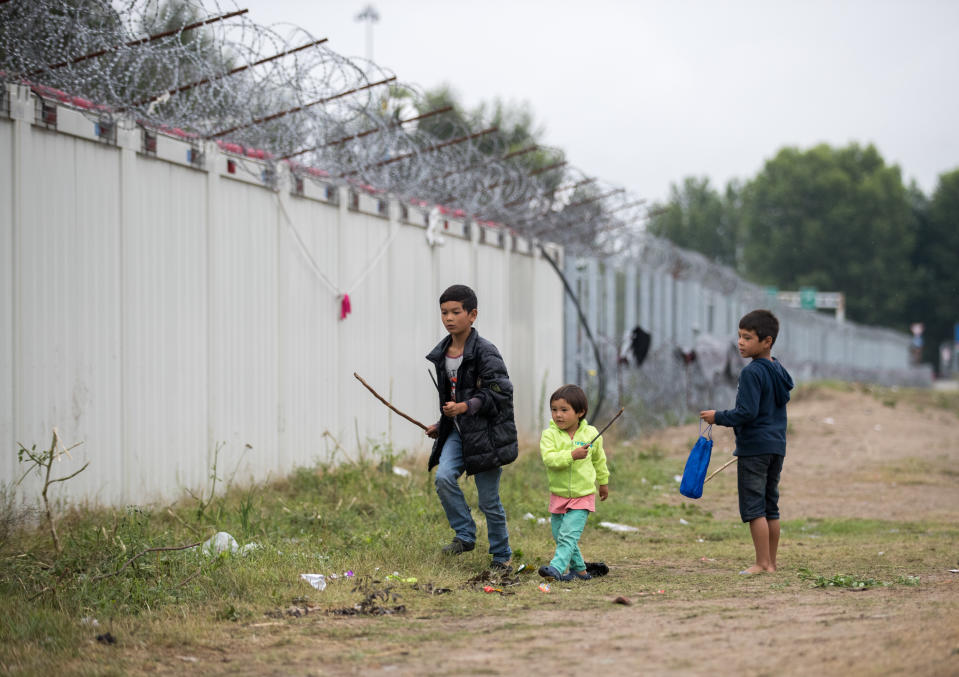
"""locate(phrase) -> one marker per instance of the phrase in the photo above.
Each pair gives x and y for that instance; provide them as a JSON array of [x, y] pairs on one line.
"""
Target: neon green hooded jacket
[[573, 478]]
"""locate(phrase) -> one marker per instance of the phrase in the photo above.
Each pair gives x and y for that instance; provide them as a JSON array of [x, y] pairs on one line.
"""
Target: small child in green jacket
[[574, 467]]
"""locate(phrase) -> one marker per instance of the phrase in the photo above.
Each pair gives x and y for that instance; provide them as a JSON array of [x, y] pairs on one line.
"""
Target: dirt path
[[849, 455], [834, 633]]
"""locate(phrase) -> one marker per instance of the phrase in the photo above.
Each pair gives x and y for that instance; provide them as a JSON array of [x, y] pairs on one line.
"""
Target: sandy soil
[[849, 455]]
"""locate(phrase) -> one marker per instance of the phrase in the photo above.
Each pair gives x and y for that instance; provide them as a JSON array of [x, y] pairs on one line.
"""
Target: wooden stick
[[724, 466], [140, 554], [380, 398], [612, 420]]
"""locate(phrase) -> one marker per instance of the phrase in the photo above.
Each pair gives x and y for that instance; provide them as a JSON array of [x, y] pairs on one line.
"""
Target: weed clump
[[375, 599], [852, 582]]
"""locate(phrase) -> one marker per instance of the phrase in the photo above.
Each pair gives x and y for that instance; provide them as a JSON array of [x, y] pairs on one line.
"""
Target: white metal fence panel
[[537, 340], [167, 309], [69, 305], [9, 273], [244, 329], [165, 328]]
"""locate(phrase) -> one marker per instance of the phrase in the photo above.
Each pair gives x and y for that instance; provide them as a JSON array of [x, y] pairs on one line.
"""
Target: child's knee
[[445, 481], [491, 505]]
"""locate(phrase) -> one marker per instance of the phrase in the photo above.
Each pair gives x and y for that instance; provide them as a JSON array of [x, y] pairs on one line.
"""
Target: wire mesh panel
[[690, 308]]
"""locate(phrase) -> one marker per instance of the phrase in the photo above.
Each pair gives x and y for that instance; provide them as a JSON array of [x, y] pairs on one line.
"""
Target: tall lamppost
[[370, 16]]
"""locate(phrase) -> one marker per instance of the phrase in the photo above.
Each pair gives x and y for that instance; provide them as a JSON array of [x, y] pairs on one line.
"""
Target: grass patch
[[919, 471], [852, 581], [363, 517], [851, 527]]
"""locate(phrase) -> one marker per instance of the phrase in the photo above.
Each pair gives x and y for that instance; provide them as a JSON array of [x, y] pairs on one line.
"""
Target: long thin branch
[[600, 368], [29, 470], [183, 522], [71, 475], [381, 399], [719, 470], [140, 554], [189, 578], [606, 427], [46, 589], [46, 485]]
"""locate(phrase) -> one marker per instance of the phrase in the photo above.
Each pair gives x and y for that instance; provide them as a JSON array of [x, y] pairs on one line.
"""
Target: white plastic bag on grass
[[318, 581], [219, 542]]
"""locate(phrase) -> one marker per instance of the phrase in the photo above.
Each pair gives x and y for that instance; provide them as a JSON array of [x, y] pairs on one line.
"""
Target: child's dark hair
[[461, 293], [763, 322], [575, 396]]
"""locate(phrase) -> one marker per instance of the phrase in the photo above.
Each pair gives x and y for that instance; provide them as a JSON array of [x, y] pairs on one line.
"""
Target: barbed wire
[[208, 71]]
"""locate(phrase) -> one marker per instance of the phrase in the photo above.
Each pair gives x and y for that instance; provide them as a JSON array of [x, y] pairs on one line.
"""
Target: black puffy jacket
[[489, 435]]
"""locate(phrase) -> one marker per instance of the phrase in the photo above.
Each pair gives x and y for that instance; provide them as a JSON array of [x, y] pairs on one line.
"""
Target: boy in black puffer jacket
[[477, 432]]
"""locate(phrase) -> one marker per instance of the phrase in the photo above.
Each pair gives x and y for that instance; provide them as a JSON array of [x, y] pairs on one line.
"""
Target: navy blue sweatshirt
[[759, 418]]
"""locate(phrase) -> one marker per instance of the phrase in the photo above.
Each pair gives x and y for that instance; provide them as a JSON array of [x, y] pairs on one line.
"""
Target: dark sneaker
[[501, 567], [551, 574], [457, 547], [596, 569], [579, 576]]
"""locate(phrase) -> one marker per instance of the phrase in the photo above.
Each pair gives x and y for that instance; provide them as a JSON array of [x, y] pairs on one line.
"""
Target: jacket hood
[[782, 381]]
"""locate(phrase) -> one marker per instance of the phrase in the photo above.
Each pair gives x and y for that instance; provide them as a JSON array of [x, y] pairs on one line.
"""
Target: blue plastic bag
[[694, 474]]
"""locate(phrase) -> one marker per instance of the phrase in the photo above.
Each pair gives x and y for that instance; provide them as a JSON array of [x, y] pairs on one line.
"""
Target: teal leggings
[[566, 532]]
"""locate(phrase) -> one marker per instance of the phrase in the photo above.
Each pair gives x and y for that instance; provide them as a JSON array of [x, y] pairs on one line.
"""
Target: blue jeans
[[567, 529], [448, 472]]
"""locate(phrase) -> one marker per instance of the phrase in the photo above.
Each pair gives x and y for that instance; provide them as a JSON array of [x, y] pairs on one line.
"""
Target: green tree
[[515, 144], [516, 125], [448, 125], [936, 257], [836, 219], [696, 217], [515, 122]]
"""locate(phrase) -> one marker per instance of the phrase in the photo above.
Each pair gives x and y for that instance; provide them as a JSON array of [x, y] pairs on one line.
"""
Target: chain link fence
[[654, 330]]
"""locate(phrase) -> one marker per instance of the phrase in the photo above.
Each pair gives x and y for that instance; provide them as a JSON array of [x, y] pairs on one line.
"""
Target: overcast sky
[[645, 93]]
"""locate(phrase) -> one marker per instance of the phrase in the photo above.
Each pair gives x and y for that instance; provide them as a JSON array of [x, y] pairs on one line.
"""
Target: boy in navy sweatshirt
[[759, 421]]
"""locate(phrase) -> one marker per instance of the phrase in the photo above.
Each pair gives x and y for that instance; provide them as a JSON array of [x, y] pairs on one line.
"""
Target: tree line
[[837, 219]]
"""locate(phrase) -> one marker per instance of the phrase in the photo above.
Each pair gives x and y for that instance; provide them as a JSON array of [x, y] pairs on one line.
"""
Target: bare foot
[[755, 569]]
